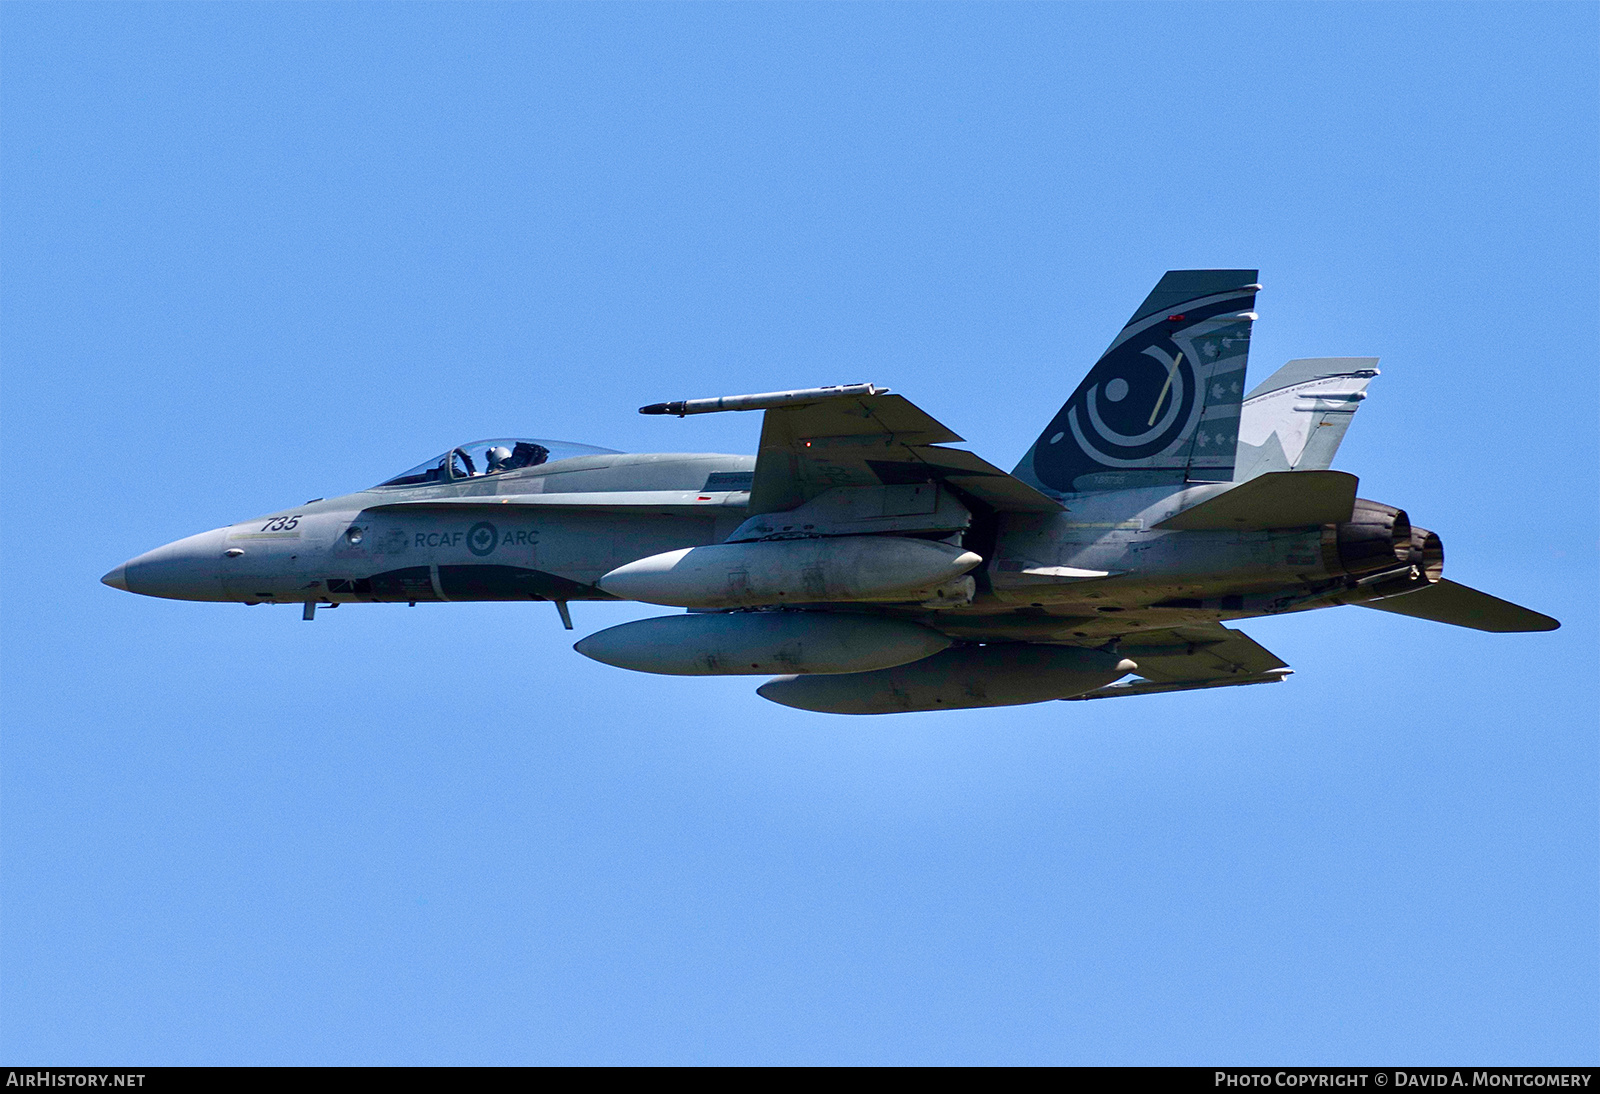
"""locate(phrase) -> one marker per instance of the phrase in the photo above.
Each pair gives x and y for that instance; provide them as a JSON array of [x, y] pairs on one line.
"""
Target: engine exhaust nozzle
[[1376, 538]]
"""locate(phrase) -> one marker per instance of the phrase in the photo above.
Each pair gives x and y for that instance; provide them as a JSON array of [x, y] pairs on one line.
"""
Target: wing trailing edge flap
[[1278, 499], [1189, 658], [872, 440], [1462, 606]]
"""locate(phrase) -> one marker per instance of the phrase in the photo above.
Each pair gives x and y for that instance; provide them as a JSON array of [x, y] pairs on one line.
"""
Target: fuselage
[[552, 531], [574, 520]]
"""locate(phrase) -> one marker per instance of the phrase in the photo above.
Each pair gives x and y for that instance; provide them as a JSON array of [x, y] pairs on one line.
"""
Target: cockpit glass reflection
[[499, 456]]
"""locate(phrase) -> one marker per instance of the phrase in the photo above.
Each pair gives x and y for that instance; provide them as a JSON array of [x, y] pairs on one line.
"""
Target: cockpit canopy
[[477, 459]]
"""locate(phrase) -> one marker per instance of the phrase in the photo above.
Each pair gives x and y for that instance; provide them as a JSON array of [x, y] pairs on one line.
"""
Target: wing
[[1461, 606], [876, 440], [818, 439], [1186, 658]]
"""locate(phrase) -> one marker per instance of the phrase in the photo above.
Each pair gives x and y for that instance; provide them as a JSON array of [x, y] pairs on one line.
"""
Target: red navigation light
[[1173, 318]]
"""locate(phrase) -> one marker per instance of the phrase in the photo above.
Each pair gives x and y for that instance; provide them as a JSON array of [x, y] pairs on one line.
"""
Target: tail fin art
[[1162, 404], [1295, 419]]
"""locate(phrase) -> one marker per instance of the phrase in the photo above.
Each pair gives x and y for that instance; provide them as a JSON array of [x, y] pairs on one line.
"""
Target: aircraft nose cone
[[187, 569]]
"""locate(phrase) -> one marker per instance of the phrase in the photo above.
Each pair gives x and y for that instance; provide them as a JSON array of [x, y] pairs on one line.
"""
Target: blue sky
[[251, 255]]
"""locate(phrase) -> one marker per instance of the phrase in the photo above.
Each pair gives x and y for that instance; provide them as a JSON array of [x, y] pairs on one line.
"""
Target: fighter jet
[[869, 568]]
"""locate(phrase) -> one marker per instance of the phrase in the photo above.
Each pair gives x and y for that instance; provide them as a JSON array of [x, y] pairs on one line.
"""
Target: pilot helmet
[[498, 455]]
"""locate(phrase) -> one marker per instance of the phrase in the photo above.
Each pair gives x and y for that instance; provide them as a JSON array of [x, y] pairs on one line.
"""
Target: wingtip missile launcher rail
[[764, 401]]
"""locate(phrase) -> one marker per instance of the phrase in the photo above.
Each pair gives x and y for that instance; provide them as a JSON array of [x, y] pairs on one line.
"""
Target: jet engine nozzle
[[1427, 567], [1427, 554], [1376, 538]]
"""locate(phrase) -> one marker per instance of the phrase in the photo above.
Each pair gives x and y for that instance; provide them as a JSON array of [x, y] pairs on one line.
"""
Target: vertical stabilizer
[[1162, 404], [1295, 419]]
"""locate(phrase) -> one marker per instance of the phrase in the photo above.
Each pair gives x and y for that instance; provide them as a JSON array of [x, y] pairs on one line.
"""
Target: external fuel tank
[[973, 676], [760, 643], [832, 569]]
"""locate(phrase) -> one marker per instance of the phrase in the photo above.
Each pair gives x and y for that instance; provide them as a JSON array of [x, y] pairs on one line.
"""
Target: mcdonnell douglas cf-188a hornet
[[870, 569]]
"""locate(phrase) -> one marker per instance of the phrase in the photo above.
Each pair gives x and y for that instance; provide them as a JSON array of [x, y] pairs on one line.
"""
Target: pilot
[[499, 460]]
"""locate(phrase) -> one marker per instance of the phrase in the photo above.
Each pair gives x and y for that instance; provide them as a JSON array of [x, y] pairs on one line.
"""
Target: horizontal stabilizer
[[1279, 499], [1460, 606]]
